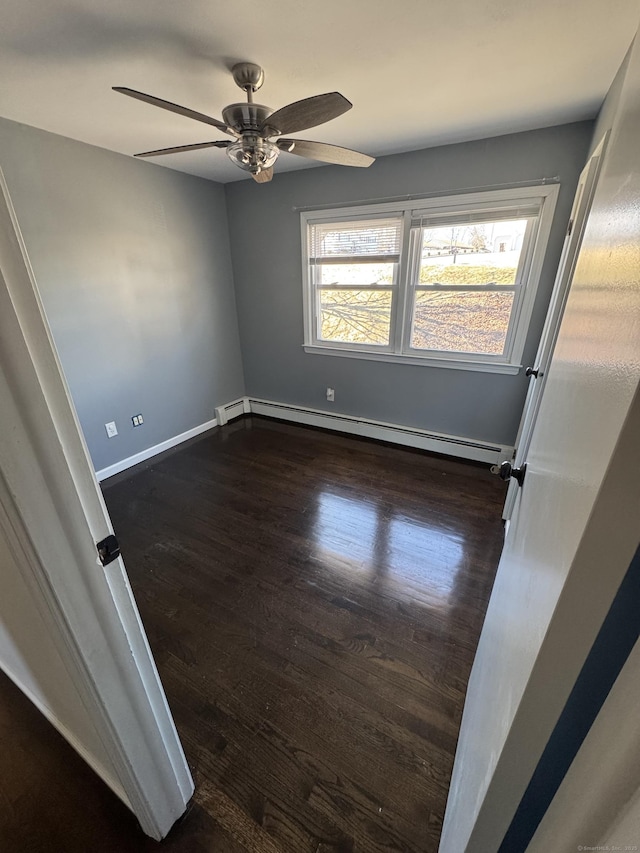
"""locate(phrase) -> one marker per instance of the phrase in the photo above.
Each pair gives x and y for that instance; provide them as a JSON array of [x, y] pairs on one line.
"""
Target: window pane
[[471, 321], [360, 237], [355, 316], [482, 253], [355, 273]]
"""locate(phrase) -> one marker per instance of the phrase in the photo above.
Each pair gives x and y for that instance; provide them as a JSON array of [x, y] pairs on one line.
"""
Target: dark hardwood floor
[[313, 602]]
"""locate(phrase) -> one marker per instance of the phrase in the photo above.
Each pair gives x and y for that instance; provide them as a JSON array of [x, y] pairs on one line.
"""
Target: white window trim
[[465, 203]]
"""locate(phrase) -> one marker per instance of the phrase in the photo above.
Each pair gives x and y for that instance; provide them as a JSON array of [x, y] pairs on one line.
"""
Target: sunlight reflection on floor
[[409, 557]]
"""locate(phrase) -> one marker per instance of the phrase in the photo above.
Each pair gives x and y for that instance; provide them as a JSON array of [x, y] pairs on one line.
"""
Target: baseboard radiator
[[229, 411], [450, 445], [465, 448]]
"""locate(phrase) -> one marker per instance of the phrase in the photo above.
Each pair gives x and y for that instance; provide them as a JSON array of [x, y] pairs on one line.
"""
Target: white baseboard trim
[[68, 735], [224, 414], [130, 461], [465, 448]]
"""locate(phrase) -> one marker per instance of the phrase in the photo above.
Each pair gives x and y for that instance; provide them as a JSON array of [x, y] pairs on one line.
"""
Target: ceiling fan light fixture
[[253, 154]]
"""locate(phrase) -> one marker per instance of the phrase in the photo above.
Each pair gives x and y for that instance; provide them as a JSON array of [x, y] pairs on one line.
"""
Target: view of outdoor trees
[[355, 316], [462, 301]]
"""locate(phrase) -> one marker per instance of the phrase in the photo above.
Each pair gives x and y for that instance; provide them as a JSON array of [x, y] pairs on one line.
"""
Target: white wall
[[609, 108], [600, 796]]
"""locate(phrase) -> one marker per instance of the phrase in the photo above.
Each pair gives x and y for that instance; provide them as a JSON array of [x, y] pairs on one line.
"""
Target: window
[[354, 266], [447, 281]]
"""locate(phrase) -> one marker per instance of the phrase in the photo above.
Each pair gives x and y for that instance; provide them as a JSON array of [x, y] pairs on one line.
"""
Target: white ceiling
[[419, 72]]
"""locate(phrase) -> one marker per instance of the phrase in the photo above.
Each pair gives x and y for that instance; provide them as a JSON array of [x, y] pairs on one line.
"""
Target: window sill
[[425, 361]]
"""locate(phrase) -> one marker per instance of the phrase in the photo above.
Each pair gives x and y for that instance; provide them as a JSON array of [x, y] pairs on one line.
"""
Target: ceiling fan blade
[[264, 176], [304, 114], [178, 149], [325, 152], [175, 108]]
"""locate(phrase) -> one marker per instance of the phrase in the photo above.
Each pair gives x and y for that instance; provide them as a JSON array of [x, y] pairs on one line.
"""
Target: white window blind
[[431, 219], [361, 241]]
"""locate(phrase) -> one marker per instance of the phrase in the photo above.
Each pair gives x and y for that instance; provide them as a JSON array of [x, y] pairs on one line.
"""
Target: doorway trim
[[56, 512], [587, 184]]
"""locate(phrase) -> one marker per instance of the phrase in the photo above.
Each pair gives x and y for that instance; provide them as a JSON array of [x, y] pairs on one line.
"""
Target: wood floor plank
[[313, 602], [235, 820], [350, 667]]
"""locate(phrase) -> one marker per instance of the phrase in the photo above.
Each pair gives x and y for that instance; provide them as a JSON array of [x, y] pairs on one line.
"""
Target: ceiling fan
[[259, 132]]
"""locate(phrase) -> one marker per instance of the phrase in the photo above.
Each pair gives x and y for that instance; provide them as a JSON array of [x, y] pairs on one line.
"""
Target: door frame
[[570, 546], [53, 508], [587, 183]]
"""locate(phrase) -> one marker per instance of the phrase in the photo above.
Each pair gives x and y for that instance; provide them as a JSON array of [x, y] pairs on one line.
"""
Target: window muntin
[[383, 282]]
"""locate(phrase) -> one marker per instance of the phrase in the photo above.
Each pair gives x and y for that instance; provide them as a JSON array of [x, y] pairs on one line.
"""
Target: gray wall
[[265, 246], [132, 262]]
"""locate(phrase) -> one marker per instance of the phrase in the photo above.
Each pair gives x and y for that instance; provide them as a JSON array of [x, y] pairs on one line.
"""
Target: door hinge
[[569, 227], [108, 549]]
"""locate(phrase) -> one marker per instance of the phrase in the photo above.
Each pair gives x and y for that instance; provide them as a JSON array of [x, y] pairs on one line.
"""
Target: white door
[[575, 528], [77, 647], [538, 372]]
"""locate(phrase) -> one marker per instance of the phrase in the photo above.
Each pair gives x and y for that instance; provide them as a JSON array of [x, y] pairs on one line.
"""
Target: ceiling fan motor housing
[[243, 117]]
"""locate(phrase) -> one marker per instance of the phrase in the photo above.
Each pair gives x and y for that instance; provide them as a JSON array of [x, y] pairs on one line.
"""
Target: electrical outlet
[[331, 395], [137, 420], [111, 429]]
